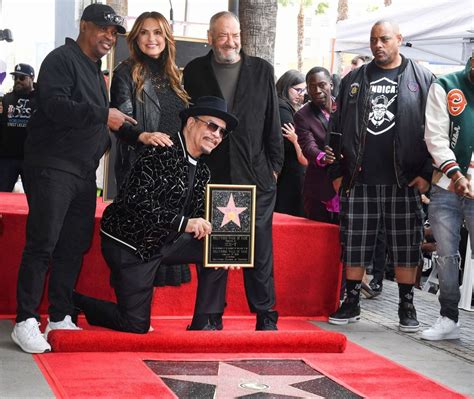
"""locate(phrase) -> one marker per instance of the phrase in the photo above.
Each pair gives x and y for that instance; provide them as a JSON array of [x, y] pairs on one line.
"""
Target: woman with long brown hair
[[147, 86]]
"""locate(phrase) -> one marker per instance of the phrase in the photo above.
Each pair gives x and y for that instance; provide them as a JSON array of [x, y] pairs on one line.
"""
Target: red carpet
[[125, 375], [170, 336], [306, 253]]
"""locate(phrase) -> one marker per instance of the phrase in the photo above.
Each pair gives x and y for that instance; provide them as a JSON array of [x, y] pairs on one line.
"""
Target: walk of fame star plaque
[[231, 211]]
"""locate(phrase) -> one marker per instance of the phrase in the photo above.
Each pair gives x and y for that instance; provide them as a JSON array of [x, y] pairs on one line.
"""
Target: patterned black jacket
[[149, 205]]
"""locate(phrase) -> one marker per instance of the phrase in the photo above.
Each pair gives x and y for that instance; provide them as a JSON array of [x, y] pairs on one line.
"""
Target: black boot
[[376, 285], [408, 320], [206, 322], [349, 312], [267, 321]]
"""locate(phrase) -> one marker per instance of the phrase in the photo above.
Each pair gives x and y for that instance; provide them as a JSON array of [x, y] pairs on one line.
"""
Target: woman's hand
[[289, 132], [155, 139]]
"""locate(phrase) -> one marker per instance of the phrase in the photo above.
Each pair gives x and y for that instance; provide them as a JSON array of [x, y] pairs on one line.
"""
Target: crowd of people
[[358, 153]]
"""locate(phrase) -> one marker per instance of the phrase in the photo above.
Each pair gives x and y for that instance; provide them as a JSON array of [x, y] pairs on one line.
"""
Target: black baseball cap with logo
[[24, 69], [103, 15]]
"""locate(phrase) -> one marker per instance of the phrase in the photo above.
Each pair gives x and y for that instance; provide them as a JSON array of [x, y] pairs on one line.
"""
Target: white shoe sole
[[343, 322], [452, 335], [17, 341], [409, 329], [49, 329]]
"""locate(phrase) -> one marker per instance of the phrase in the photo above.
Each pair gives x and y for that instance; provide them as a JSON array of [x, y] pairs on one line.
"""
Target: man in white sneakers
[[449, 135], [67, 136]]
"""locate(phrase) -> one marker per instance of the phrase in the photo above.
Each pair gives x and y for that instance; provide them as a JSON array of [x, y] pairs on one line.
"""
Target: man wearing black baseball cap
[[103, 15], [67, 136], [23, 70], [16, 110], [157, 217]]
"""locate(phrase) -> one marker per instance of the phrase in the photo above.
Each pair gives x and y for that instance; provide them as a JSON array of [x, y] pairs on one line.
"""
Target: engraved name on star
[[231, 212]]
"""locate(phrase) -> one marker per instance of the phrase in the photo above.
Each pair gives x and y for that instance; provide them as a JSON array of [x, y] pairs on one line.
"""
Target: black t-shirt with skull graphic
[[378, 162]]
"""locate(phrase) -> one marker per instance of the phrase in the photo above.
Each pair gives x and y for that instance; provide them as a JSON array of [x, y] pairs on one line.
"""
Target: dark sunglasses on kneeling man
[[214, 127]]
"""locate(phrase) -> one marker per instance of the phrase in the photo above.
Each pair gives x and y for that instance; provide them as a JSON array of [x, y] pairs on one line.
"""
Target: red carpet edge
[[199, 341]]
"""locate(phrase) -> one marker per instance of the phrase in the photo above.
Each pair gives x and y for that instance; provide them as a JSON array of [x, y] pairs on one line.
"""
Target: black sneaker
[[367, 291], [376, 286], [349, 312], [408, 321], [267, 321]]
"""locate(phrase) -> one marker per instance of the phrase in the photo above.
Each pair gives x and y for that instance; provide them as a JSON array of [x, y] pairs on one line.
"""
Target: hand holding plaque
[[231, 211]]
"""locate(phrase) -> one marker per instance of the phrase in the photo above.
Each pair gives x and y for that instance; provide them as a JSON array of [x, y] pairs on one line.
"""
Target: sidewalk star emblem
[[252, 378], [231, 212]]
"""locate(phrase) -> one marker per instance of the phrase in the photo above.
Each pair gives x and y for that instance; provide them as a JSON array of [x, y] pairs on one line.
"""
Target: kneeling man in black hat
[[157, 217]]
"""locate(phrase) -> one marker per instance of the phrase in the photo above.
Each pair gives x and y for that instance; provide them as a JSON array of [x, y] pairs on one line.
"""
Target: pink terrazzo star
[[231, 212]]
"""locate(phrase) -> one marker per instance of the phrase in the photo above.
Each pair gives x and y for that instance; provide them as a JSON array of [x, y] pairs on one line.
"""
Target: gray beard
[[224, 60]]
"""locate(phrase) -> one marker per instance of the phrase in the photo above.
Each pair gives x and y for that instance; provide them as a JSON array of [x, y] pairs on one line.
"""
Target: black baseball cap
[[24, 69], [103, 15]]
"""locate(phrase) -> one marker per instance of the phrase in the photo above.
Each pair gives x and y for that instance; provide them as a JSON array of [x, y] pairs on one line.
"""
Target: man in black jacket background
[[67, 136], [385, 167], [253, 154], [17, 108]]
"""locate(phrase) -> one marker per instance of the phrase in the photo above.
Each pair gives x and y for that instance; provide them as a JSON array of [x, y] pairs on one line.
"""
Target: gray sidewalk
[[451, 363]]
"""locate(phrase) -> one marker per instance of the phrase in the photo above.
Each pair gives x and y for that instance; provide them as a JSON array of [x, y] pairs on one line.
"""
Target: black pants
[[380, 256], [314, 209], [10, 169], [258, 281], [59, 230], [132, 279]]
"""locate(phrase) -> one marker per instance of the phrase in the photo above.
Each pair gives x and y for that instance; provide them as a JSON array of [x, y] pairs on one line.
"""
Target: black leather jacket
[[411, 155], [146, 111]]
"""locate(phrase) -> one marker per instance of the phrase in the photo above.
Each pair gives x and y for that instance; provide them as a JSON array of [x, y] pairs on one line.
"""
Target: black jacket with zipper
[[411, 156], [69, 129]]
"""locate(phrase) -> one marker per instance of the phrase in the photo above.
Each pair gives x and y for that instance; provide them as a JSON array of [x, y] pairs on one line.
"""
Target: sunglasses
[[299, 90], [214, 128], [21, 78], [113, 18]]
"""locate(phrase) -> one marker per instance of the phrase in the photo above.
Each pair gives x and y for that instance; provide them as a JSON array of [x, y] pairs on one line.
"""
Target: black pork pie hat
[[212, 106], [103, 15]]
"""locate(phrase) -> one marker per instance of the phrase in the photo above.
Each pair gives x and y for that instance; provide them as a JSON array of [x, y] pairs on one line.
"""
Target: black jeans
[[132, 279], [10, 169], [59, 230]]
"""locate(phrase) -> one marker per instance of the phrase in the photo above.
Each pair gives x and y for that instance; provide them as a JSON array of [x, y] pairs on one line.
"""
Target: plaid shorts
[[369, 208]]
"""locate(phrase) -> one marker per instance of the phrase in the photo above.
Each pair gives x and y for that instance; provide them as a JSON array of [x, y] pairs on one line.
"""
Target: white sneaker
[[443, 328], [28, 337], [65, 324]]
